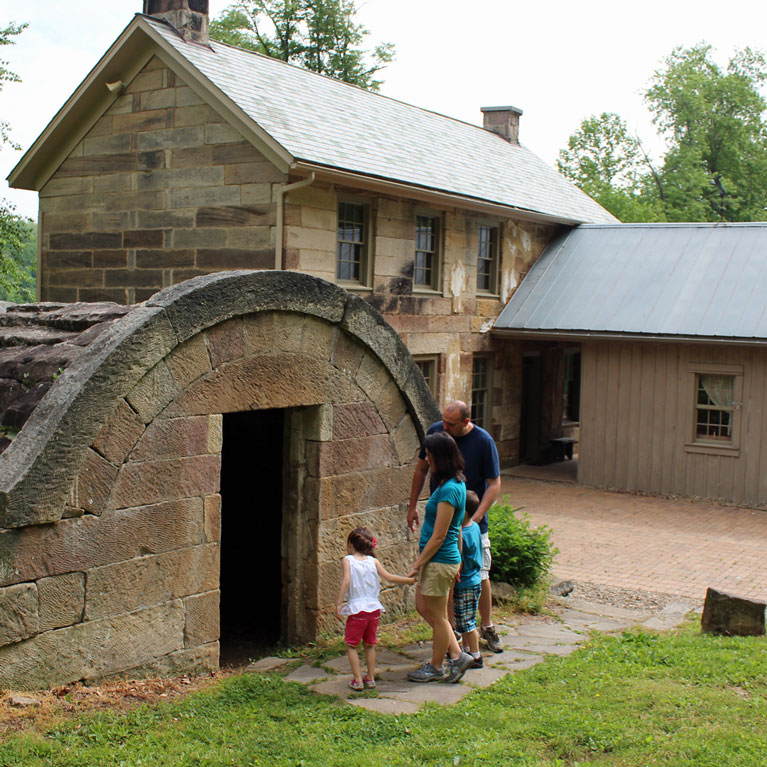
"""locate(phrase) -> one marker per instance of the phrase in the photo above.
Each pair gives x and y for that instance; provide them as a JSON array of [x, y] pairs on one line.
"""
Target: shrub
[[522, 555]]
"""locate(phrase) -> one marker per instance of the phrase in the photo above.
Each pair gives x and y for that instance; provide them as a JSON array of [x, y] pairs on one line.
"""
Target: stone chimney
[[188, 17], [503, 121]]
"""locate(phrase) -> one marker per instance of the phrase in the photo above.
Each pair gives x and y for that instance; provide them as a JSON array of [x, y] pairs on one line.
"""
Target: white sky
[[558, 61]]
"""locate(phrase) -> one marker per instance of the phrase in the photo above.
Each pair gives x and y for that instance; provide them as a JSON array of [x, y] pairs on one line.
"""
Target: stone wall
[[159, 190], [127, 579]]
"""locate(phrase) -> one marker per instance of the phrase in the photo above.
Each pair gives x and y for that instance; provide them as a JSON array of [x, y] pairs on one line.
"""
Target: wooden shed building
[[670, 321]]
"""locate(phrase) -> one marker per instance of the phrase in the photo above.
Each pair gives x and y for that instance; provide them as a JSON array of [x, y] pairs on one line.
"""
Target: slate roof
[[309, 118], [700, 281], [328, 122]]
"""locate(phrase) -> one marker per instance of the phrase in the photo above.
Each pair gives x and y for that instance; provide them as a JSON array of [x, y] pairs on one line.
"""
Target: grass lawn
[[641, 699]]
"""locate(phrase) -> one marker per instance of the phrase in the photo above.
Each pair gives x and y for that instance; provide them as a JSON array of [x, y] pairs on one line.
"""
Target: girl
[[439, 559], [360, 586]]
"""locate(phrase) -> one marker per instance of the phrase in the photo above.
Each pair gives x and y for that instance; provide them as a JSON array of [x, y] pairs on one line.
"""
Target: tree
[[15, 231], [608, 163], [319, 35], [712, 122]]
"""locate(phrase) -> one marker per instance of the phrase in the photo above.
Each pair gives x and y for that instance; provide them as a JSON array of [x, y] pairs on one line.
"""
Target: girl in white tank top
[[360, 587]]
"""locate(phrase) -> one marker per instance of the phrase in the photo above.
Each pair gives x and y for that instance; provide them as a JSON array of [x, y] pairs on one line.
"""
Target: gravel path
[[616, 596]]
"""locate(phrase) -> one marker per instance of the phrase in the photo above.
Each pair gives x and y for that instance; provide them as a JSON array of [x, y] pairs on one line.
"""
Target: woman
[[439, 558]]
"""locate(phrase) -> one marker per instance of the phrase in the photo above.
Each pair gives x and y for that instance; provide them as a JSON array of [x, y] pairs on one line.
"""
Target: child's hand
[[411, 580], [338, 613]]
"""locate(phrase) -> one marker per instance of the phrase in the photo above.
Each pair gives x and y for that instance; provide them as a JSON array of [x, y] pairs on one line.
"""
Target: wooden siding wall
[[637, 400]]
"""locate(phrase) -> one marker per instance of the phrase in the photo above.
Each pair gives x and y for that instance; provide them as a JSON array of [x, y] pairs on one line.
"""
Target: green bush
[[522, 555]]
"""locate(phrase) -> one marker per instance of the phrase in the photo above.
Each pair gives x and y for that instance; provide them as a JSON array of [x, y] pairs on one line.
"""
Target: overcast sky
[[558, 61]]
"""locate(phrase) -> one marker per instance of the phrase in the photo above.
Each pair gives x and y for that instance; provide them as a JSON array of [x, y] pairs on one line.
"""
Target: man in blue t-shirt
[[483, 476]]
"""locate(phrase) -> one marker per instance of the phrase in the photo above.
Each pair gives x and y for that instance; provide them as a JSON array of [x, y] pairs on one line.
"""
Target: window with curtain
[[715, 406]]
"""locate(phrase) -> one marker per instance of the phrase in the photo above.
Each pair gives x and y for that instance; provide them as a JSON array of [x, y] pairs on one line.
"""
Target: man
[[483, 476]]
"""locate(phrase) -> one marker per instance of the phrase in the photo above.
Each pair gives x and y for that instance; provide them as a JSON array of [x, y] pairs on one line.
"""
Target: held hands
[[411, 579]]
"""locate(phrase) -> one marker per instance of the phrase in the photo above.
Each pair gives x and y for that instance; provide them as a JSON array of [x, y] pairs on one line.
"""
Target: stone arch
[[109, 495]]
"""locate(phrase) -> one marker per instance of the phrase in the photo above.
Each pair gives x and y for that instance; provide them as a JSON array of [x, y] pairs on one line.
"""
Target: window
[[715, 406], [428, 368], [487, 259], [353, 242], [716, 412], [426, 264], [480, 391]]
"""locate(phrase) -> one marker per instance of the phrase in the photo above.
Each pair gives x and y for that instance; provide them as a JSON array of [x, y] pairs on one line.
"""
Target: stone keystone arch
[[109, 496]]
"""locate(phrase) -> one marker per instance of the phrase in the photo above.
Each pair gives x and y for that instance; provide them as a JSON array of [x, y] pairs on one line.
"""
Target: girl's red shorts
[[362, 626]]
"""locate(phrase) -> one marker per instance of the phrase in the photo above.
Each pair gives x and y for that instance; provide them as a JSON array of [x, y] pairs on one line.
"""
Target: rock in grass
[[732, 616], [503, 593], [562, 588]]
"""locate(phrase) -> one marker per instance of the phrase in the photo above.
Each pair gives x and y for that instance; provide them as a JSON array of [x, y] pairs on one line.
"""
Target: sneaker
[[457, 668], [427, 673], [490, 635], [458, 636], [369, 683], [477, 662], [357, 685]]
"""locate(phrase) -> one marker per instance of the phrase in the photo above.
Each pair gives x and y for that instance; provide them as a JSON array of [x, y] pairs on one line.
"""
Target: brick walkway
[[671, 546]]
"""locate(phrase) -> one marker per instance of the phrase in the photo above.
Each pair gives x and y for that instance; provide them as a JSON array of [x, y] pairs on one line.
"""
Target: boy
[[468, 587]]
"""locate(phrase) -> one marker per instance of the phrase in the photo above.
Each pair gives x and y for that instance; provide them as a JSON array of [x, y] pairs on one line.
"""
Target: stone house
[[385, 240]]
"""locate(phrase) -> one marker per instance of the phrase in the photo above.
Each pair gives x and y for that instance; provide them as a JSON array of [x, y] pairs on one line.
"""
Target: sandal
[[357, 686], [369, 683]]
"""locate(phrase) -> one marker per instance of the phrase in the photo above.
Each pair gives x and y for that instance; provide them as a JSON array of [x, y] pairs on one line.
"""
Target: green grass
[[679, 699]]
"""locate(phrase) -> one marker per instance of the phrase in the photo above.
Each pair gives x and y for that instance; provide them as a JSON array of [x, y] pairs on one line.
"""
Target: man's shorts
[[436, 578], [362, 626], [465, 604], [486, 558]]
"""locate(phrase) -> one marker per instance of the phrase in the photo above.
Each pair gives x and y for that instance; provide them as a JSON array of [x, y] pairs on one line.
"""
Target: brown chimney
[[188, 17], [502, 120]]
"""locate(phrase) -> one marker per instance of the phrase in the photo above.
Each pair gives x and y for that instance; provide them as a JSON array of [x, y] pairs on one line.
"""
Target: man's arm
[[491, 493], [419, 480]]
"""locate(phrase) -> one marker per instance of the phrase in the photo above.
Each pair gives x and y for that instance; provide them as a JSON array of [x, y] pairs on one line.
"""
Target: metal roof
[[664, 280], [321, 120]]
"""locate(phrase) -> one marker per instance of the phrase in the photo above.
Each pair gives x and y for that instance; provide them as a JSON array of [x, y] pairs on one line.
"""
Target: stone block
[[155, 481], [317, 424], [188, 361], [358, 419], [732, 616], [120, 433], [186, 97], [115, 143], [323, 198], [159, 99], [259, 333], [18, 613], [197, 114], [146, 80], [174, 438], [353, 455], [68, 259], [151, 580], [93, 649], [258, 193], [165, 219], [97, 164], [193, 157], [153, 392], [173, 138], [253, 173], [93, 484], [235, 216], [407, 442], [67, 222], [199, 196], [374, 379], [212, 510], [110, 259], [259, 238], [215, 440], [222, 134], [238, 152], [265, 382], [313, 239], [348, 353], [199, 238], [134, 201], [136, 122], [114, 182], [235, 258], [226, 341], [86, 241], [202, 618], [66, 186], [181, 177], [194, 660], [62, 600], [144, 238], [164, 258]]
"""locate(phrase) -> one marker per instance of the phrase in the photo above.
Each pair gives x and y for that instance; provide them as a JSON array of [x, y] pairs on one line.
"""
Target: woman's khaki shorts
[[436, 578]]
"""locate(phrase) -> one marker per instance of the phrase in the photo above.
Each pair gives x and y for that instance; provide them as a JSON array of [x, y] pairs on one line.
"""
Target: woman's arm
[[344, 588], [387, 576], [445, 513]]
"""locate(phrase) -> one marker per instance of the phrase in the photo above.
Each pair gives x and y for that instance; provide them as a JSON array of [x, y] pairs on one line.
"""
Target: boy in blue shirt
[[468, 587]]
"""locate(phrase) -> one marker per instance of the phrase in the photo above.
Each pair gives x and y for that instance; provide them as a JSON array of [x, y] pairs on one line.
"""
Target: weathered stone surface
[[93, 649], [225, 342], [358, 419], [202, 618], [24, 701], [197, 304], [265, 382], [153, 392], [733, 616], [193, 660], [81, 544], [351, 455], [62, 600], [18, 613], [188, 361], [212, 510], [93, 484], [166, 480], [173, 438], [120, 433], [144, 581], [406, 440]]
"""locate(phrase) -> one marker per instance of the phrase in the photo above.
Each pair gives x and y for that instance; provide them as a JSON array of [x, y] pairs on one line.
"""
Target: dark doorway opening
[[252, 608], [530, 422]]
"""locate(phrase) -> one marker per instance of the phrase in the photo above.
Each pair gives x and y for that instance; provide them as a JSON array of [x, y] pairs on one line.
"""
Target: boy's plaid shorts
[[465, 604]]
